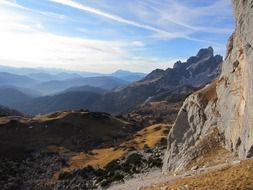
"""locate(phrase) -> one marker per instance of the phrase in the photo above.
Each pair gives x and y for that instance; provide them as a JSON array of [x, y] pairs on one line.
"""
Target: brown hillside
[[75, 131], [149, 136]]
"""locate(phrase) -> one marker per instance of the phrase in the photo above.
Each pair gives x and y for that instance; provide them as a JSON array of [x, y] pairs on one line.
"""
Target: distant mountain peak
[[121, 71], [177, 64], [154, 74], [202, 54]]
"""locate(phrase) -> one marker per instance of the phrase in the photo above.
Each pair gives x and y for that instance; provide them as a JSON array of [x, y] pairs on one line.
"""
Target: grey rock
[[194, 168], [235, 89]]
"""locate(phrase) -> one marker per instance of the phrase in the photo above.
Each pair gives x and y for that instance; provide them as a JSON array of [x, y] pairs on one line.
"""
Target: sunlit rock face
[[235, 88], [222, 111]]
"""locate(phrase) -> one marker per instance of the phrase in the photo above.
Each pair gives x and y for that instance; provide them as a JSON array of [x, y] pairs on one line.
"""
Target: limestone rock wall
[[235, 88], [225, 105]]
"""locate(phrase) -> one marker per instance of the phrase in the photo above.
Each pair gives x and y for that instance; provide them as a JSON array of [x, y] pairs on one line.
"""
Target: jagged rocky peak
[[201, 58], [177, 64], [205, 52], [221, 113]]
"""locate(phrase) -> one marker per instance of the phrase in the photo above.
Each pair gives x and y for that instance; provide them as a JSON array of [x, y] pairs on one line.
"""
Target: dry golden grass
[[150, 136], [217, 156], [99, 158], [57, 149], [38, 118], [51, 116], [209, 92], [4, 120], [238, 177]]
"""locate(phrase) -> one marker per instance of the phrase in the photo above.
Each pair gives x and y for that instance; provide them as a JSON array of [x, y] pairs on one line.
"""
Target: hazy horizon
[[58, 70], [106, 36]]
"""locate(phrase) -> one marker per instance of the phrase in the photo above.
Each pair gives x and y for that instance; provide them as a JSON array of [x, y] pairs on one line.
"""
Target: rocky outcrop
[[160, 84], [222, 108], [191, 134]]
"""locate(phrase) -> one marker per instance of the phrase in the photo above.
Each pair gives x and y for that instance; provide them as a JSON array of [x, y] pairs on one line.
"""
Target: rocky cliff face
[[221, 112], [235, 88], [160, 84]]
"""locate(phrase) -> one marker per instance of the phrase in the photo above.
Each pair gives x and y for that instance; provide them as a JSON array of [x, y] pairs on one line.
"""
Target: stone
[[235, 89], [194, 168]]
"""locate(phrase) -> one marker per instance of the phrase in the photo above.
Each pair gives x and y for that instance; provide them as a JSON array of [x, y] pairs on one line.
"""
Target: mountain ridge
[[158, 81], [172, 85]]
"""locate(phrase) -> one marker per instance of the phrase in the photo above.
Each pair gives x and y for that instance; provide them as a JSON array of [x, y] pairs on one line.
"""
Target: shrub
[[155, 162], [65, 176]]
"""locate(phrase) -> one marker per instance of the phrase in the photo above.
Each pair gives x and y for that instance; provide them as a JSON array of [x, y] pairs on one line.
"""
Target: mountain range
[[47, 74], [171, 84], [109, 93]]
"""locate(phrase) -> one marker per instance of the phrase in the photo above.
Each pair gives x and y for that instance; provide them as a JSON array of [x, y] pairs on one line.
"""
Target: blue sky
[[106, 35]]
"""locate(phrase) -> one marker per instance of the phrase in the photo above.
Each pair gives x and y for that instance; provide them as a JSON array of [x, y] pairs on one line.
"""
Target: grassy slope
[[237, 177]]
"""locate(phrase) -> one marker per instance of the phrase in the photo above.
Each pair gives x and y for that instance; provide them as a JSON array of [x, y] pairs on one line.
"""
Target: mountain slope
[[85, 88], [221, 112], [5, 111], [128, 76], [12, 97], [16, 80], [64, 101], [197, 71]]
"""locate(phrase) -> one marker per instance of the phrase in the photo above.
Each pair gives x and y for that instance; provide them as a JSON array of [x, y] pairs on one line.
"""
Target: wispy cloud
[[167, 13], [14, 4], [188, 16], [117, 18], [138, 43]]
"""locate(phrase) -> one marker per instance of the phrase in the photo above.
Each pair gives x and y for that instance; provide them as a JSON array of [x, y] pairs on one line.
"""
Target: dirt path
[[156, 177]]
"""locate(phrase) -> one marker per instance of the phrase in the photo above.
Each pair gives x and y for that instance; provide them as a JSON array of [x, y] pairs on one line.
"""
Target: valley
[[181, 126]]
